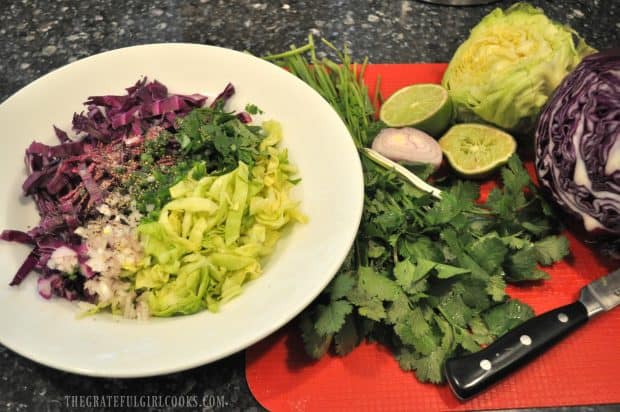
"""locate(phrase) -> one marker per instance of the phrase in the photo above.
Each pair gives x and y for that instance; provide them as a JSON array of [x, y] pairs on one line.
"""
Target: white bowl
[[305, 261]]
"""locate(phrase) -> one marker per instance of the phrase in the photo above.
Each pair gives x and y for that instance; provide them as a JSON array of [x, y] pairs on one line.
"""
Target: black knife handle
[[471, 374]]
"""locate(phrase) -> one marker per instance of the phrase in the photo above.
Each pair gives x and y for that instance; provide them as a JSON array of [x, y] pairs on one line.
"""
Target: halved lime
[[475, 150], [425, 106]]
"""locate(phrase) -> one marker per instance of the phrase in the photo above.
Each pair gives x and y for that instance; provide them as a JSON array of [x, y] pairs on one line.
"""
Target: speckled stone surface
[[37, 36], [41, 35]]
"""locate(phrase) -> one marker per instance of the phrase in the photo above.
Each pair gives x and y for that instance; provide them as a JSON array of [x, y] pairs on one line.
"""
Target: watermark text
[[206, 402]]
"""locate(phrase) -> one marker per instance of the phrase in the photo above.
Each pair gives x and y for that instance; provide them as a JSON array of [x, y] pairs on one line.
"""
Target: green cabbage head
[[510, 64]]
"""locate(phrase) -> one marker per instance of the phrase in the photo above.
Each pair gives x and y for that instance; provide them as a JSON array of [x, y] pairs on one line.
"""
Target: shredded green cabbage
[[210, 238]]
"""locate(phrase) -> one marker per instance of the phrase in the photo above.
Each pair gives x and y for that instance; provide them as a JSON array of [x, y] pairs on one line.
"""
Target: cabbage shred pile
[[210, 238]]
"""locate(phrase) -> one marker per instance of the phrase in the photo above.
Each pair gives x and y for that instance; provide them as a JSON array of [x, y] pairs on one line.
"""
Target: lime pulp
[[476, 149]]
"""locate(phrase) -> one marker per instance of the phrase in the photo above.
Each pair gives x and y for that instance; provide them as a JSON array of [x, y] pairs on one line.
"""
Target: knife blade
[[471, 374]]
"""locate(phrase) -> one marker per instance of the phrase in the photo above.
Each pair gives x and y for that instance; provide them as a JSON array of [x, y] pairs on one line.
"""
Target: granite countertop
[[40, 35]]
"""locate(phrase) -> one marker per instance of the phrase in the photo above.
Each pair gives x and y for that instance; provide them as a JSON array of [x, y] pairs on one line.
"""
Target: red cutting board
[[582, 370]]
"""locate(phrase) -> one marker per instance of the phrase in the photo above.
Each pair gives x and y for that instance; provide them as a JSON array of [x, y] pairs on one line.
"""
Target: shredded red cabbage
[[145, 105], [69, 180]]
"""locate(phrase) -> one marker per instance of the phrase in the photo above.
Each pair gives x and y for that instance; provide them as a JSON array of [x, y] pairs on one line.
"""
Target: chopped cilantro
[[211, 141], [253, 109]]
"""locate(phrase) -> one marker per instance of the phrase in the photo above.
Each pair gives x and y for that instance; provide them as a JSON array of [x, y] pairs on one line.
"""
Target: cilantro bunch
[[426, 276]]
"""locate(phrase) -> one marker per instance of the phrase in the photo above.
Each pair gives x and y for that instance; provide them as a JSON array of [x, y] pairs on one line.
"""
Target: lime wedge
[[475, 150], [425, 106]]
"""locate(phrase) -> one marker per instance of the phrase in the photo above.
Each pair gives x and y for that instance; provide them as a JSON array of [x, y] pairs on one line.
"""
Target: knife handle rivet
[[485, 364], [563, 318], [525, 340]]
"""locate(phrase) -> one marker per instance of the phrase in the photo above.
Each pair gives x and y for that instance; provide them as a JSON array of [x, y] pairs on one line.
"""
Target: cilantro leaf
[[514, 175], [347, 337], [496, 288], [480, 332], [428, 368], [448, 341], [474, 294], [423, 343], [389, 221], [452, 306], [221, 141], [331, 317], [423, 268], [489, 252], [421, 248], [406, 359], [466, 193], [499, 204], [414, 330], [551, 249], [516, 241], [506, 316], [373, 310], [418, 322], [253, 109], [467, 341], [464, 260], [368, 306], [404, 272], [341, 285], [407, 274], [418, 290], [522, 266], [189, 127], [453, 203], [376, 285], [537, 227], [446, 209], [447, 271], [315, 345], [375, 250], [399, 310]]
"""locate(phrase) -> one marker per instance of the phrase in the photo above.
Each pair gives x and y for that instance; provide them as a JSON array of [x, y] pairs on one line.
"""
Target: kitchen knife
[[471, 374]]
